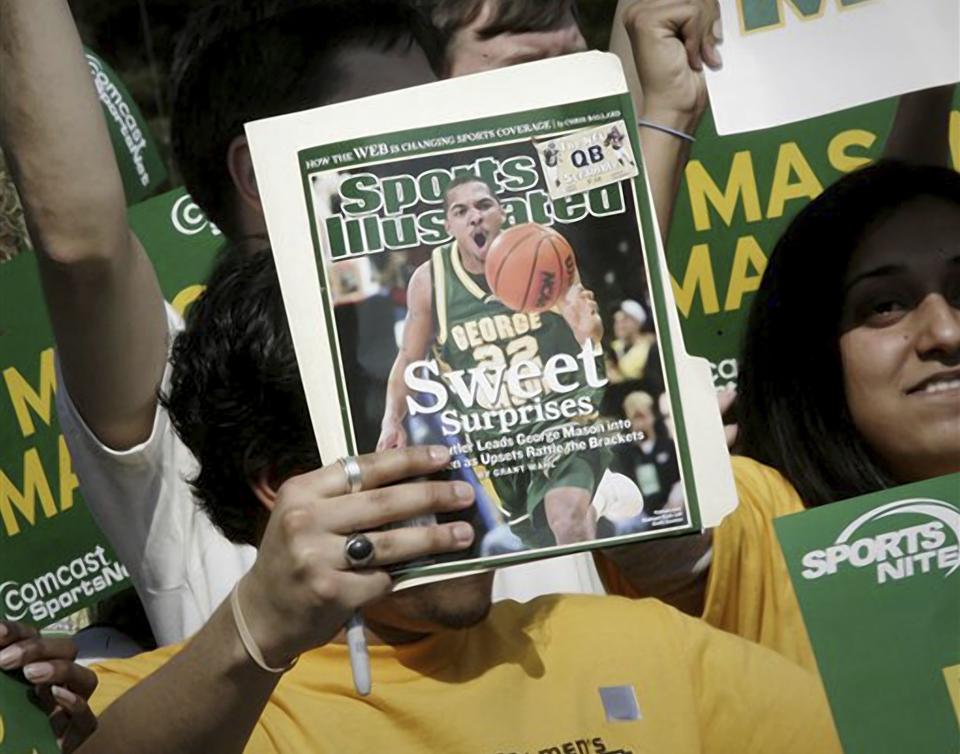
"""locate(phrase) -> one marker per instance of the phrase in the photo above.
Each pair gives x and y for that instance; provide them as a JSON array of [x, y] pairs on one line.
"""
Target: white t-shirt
[[179, 562]]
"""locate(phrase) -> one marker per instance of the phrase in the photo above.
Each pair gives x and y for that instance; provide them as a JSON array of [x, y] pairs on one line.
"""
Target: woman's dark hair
[[235, 397], [792, 406]]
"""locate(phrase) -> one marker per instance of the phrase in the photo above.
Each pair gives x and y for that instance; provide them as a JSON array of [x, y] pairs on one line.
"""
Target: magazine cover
[[877, 580], [464, 263]]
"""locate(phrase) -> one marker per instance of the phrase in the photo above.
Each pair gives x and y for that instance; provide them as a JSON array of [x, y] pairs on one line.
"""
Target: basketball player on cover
[[448, 297], [551, 159]]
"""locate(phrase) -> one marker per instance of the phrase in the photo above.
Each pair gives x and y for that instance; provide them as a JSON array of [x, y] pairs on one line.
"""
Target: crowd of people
[[195, 454]]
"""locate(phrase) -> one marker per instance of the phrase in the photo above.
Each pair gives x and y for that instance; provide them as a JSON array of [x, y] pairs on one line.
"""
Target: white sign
[[788, 60]]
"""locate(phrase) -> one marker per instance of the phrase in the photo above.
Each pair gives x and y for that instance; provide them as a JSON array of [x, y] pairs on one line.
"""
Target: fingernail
[[10, 657], [463, 533], [718, 58], [463, 490], [718, 30], [440, 453], [38, 671], [63, 695]]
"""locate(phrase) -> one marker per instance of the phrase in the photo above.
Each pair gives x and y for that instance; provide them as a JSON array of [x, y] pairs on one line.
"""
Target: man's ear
[[265, 488], [241, 173]]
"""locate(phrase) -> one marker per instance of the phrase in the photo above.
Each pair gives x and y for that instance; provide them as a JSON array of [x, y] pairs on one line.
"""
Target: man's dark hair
[[792, 406], [240, 60], [508, 16], [463, 179], [235, 397]]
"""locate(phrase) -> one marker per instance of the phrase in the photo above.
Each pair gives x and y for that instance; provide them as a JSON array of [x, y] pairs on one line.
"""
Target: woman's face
[[900, 339]]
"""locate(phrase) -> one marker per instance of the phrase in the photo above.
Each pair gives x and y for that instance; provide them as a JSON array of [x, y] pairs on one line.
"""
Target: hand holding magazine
[[475, 262]]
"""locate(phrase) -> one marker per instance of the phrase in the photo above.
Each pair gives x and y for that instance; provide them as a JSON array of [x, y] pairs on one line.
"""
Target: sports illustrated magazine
[[475, 275]]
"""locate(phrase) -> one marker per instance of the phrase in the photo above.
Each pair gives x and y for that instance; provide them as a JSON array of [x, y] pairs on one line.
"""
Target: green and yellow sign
[[878, 581], [54, 559], [738, 195]]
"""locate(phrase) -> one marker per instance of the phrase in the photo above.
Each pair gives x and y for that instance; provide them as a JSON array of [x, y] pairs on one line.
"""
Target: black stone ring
[[358, 550]]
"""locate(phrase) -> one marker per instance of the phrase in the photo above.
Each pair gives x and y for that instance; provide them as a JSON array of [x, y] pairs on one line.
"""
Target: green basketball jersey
[[474, 329]]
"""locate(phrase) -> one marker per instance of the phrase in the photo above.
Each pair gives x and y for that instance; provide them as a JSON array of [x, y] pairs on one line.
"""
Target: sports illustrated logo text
[[896, 554]]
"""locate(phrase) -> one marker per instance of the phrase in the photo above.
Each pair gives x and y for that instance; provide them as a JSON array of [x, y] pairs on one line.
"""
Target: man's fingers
[[64, 673], [73, 718], [36, 648], [59, 721], [725, 399], [691, 33], [377, 469], [409, 543], [712, 38], [361, 587], [12, 631], [389, 505], [77, 733]]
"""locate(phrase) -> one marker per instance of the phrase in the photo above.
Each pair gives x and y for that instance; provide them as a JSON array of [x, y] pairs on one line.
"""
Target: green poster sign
[[878, 581], [737, 196], [141, 166], [53, 559], [23, 727]]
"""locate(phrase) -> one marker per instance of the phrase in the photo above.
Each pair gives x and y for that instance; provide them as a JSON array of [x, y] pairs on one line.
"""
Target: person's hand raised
[[671, 41], [302, 588]]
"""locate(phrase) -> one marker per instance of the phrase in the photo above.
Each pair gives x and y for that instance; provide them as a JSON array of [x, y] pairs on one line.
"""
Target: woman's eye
[[882, 311], [889, 305]]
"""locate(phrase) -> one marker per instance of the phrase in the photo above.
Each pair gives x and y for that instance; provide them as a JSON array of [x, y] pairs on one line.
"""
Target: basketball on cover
[[530, 267]]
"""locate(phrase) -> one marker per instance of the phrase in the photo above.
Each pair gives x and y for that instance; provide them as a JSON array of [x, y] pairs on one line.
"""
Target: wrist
[[676, 120], [261, 635]]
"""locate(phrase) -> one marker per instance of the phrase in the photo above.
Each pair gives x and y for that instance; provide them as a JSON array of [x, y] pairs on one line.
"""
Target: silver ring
[[358, 550], [354, 476]]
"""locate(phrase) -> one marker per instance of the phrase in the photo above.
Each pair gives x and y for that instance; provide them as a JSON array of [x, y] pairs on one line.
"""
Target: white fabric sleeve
[[123, 488]]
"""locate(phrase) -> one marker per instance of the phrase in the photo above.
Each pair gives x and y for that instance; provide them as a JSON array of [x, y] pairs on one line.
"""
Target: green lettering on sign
[[757, 15]]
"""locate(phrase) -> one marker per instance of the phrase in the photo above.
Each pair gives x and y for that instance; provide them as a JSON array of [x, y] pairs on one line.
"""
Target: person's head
[[473, 215], [850, 378], [666, 414], [639, 410], [481, 35], [237, 402], [241, 60], [628, 320]]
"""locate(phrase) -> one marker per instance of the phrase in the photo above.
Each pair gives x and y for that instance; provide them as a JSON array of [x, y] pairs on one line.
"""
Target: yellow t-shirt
[[749, 592], [532, 678]]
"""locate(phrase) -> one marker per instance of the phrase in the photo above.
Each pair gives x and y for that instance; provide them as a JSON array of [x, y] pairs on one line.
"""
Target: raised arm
[[920, 133], [671, 41], [101, 291], [417, 333]]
